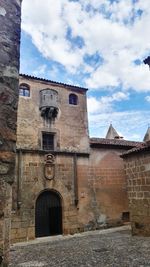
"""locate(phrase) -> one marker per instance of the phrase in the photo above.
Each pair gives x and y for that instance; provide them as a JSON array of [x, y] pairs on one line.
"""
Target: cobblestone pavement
[[106, 248]]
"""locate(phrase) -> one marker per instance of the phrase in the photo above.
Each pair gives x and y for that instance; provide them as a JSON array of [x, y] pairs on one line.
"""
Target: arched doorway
[[48, 214]]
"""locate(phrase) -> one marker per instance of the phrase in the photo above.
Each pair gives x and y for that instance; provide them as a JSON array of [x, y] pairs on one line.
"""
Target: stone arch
[[48, 213]]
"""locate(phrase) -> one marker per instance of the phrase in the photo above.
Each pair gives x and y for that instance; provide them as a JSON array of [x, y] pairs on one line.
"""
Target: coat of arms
[[49, 167]]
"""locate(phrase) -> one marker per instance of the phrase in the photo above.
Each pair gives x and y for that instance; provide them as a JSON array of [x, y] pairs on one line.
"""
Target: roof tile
[[143, 147], [54, 82], [114, 142]]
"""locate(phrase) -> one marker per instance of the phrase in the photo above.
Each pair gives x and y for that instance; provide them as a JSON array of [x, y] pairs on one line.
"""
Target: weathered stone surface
[[70, 127], [9, 72], [4, 168], [9, 47], [137, 167]]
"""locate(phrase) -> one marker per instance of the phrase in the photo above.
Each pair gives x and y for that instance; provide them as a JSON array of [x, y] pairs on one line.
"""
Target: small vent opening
[[126, 216]]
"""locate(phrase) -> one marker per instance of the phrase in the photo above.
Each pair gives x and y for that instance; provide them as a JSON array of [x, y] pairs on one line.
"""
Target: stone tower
[[112, 133], [147, 135], [10, 16]]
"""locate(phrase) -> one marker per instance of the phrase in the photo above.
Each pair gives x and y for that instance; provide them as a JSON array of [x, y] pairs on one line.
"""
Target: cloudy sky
[[97, 44]]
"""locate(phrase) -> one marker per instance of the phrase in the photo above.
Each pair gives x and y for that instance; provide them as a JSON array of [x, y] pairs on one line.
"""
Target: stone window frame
[[25, 89], [52, 146], [73, 99], [56, 136], [54, 131]]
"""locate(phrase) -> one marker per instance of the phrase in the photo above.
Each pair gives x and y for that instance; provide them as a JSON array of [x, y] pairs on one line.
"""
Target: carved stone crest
[[49, 167]]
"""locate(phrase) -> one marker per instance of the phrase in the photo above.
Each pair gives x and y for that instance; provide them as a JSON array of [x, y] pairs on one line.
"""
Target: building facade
[[65, 181]]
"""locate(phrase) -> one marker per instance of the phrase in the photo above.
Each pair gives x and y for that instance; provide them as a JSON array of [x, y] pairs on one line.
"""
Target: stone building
[[65, 181], [9, 78], [137, 168]]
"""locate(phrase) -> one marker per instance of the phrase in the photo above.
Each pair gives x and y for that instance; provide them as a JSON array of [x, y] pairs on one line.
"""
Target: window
[[73, 99], [48, 141], [24, 90]]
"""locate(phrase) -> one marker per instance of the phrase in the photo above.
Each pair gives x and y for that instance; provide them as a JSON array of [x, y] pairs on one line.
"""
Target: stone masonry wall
[[96, 198], [137, 168], [9, 68], [70, 127], [102, 189], [32, 183], [71, 135]]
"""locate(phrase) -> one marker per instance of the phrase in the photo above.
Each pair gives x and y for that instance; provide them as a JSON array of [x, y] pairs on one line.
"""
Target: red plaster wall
[[103, 188]]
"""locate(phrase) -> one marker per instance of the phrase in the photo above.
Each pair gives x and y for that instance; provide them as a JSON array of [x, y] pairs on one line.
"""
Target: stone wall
[[91, 182], [32, 183], [137, 168], [9, 66], [96, 199], [71, 137], [70, 126], [102, 189]]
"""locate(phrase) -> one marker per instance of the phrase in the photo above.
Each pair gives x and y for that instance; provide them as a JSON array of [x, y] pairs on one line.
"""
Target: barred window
[[48, 141]]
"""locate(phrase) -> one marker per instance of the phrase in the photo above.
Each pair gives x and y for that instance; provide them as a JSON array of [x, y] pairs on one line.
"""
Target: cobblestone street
[[112, 247]]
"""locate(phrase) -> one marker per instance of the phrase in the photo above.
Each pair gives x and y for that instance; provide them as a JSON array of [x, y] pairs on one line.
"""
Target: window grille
[[48, 141]]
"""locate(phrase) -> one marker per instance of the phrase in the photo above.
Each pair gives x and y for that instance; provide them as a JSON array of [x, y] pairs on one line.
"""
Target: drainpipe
[[19, 179], [76, 198]]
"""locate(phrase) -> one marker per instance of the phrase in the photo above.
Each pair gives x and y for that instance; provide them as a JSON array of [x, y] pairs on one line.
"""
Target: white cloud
[[40, 71], [147, 98], [47, 26], [105, 103], [131, 124], [116, 33], [102, 78], [119, 96], [95, 106]]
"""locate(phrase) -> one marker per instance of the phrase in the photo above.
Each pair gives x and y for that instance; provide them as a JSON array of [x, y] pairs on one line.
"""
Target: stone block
[[31, 233]]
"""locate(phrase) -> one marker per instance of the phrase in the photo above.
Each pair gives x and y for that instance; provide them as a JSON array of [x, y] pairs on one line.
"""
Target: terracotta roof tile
[[114, 142], [143, 147], [54, 82]]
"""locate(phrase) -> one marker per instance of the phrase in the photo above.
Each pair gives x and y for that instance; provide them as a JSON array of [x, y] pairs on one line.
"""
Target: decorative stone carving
[[49, 168], [49, 103]]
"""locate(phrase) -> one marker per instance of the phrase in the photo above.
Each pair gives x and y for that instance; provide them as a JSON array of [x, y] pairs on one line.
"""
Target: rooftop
[[53, 82], [114, 142], [142, 148]]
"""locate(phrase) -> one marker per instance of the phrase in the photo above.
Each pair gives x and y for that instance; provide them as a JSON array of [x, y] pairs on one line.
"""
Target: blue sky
[[97, 44]]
